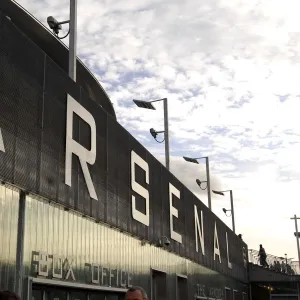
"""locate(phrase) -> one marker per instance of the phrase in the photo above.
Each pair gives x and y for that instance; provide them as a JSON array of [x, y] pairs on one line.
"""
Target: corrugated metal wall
[[9, 209], [51, 229]]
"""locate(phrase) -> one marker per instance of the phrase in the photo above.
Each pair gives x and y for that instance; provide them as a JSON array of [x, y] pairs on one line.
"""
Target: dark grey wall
[[33, 97]]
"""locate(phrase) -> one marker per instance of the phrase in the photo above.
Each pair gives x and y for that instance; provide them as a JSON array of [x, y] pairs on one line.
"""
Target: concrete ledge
[[260, 274]]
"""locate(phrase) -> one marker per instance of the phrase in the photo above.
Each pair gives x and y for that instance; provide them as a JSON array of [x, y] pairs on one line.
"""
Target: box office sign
[[58, 267]]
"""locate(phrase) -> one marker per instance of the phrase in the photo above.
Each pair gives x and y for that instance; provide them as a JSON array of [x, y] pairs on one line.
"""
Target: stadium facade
[[85, 210]]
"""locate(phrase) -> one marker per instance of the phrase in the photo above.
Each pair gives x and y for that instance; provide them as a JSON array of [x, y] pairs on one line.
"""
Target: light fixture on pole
[[297, 235], [231, 204], [195, 161], [148, 105], [56, 27], [199, 182], [225, 211], [154, 133]]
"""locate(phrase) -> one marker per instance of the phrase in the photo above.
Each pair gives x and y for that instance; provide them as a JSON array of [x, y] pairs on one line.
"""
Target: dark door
[[65, 293], [37, 295], [159, 285]]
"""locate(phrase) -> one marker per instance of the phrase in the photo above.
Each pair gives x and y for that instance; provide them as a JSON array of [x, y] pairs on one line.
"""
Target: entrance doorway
[[40, 292]]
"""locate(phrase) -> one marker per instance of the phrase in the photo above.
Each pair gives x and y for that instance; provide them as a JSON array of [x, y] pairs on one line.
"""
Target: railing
[[295, 266], [275, 263]]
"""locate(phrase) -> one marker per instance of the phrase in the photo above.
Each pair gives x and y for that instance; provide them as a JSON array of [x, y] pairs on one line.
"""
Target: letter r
[[72, 147]]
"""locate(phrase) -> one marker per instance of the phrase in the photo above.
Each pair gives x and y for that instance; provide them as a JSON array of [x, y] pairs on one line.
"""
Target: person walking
[[135, 293], [263, 256]]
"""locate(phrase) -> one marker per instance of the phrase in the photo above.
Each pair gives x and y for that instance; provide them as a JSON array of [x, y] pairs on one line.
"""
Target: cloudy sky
[[230, 70]]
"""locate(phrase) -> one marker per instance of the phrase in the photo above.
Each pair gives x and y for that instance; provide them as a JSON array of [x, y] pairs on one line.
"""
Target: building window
[[159, 285], [228, 294], [40, 292], [237, 295], [182, 289]]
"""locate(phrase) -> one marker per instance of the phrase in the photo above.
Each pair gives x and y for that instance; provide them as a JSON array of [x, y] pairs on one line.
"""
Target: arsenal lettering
[[88, 157]]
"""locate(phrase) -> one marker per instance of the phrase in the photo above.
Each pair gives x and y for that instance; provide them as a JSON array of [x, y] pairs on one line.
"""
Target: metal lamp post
[[73, 39], [195, 161], [297, 234], [56, 27], [231, 203], [148, 105]]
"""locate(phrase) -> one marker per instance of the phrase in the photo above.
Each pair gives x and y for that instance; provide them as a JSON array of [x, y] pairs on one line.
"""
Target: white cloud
[[230, 72]]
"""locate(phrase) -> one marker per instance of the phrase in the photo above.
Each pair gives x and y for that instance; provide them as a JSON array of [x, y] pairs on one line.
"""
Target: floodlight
[[144, 104], [192, 160], [218, 193], [54, 24], [153, 132]]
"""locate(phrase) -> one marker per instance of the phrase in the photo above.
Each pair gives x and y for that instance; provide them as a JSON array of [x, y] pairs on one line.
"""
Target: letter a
[[2, 148]]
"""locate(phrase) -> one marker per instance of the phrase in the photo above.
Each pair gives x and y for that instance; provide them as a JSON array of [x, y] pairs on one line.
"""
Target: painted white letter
[[72, 147], [229, 263], [43, 264], [216, 244], [199, 232], [174, 212], [2, 148], [57, 259], [137, 215]]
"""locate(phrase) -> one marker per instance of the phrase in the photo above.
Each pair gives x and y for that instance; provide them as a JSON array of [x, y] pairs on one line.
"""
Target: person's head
[[7, 295], [260, 246], [135, 293]]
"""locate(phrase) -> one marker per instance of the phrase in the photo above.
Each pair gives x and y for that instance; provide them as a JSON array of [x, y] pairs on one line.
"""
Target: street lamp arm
[[163, 99], [63, 22]]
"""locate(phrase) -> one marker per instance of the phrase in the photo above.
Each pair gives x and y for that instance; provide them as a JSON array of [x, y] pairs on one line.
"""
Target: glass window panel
[[78, 295], [37, 295], [56, 294]]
